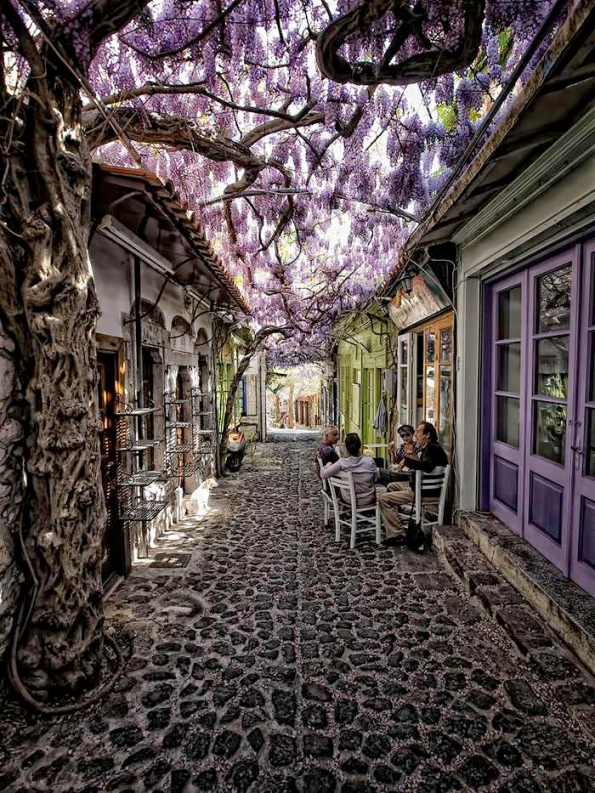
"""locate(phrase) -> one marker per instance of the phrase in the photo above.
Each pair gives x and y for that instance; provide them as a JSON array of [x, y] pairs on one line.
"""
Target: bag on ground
[[414, 536]]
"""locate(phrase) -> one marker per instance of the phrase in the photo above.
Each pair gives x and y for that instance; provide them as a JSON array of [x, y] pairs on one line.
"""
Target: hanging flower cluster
[[305, 185]]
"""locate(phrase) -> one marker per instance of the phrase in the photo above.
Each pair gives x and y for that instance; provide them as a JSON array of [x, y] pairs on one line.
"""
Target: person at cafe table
[[407, 448], [431, 455]]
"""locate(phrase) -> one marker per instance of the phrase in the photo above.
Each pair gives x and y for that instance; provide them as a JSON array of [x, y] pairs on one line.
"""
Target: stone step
[[532, 636], [566, 608]]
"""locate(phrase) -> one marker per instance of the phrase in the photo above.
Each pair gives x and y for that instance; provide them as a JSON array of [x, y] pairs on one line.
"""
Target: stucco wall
[[115, 290], [10, 495]]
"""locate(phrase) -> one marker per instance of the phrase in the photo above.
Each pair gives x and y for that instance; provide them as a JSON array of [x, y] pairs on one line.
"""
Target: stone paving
[[278, 661]]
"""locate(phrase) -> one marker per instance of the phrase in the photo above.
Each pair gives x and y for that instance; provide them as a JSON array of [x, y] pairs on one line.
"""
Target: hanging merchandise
[[390, 383], [380, 418]]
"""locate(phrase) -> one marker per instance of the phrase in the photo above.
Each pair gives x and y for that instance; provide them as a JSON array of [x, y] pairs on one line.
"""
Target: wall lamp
[[405, 283]]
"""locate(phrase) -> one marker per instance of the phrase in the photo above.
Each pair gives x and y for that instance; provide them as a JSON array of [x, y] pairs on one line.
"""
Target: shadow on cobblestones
[[281, 661]]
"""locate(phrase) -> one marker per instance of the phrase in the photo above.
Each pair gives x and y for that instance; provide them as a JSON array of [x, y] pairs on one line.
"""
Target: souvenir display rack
[[193, 442], [134, 502]]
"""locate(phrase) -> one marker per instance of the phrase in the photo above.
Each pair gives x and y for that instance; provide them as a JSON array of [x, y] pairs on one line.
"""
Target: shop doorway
[[425, 381], [542, 418]]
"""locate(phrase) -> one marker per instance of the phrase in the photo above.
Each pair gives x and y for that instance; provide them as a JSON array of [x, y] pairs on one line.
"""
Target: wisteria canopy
[[308, 136], [303, 133]]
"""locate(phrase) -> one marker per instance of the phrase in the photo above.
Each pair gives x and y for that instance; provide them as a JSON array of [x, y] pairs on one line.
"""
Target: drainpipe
[[215, 370], [138, 335]]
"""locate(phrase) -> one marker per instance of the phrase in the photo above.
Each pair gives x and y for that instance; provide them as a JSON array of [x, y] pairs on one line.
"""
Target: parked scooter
[[236, 449]]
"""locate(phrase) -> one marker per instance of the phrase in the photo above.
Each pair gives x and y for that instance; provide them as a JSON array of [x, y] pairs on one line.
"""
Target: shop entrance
[[113, 558], [542, 422]]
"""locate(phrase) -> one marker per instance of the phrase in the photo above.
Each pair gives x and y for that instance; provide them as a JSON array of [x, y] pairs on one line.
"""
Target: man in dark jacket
[[326, 451], [431, 455]]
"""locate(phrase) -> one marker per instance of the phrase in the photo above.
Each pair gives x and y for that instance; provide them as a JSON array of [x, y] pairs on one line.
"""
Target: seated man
[[363, 469], [326, 450], [431, 455]]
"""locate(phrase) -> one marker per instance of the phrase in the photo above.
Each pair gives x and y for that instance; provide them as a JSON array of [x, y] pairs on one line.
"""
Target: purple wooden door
[[551, 377], [582, 562], [509, 307]]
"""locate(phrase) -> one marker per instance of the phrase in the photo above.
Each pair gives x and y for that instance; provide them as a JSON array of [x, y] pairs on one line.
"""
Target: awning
[[137, 201]]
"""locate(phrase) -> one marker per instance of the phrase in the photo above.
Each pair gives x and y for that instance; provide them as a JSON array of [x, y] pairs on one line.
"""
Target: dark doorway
[[114, 557]]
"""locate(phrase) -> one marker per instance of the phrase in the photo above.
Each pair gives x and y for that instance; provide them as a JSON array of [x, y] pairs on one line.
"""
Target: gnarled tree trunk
[[49, 308]]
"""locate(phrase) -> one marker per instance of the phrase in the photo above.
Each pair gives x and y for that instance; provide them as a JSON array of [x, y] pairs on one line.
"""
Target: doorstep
[[565, 608]]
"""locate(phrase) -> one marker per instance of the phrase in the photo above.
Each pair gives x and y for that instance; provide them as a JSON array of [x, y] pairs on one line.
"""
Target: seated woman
[[408, 448], [364, 471]]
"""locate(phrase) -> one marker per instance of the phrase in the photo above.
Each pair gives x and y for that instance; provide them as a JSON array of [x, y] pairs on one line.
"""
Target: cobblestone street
[[278, 660]]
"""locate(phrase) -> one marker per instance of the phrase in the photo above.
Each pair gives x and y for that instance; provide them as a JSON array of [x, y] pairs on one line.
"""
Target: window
[[435, 383], [148, 401], [551, 343], [508, 366]]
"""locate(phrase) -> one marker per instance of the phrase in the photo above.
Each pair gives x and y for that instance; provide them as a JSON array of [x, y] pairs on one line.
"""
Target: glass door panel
[[508, 308], [403, 385], [552, 374], [582, 561], [445, 403], [509, 313], [590, 445], [430, 400], [507, 420], [509, 368]]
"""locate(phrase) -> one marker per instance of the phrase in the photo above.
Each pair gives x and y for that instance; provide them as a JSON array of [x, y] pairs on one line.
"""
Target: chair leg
[[337, 528], [326, 511], [353, 529]]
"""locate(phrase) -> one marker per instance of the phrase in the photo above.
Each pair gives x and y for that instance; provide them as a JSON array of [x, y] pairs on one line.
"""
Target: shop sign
[[422, 302]]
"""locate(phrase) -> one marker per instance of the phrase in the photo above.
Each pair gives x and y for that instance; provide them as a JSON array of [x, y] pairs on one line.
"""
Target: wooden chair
[[358, 519], [426, 495], [430, 483]]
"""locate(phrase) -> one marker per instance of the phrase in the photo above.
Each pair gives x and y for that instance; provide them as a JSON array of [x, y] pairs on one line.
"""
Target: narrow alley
[[277, 660]]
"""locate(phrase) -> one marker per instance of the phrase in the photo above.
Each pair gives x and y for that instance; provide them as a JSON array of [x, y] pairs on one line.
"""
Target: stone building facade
[[155, 375]]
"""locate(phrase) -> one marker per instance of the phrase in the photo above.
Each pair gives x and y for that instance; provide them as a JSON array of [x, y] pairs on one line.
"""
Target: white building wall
[[566, 207], [113, 272]]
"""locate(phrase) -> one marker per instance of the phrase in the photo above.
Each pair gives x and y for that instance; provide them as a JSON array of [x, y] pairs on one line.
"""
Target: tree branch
[[172, 131], [110, 16], [197, 89], [281, 191], [279, 125], [26, 43], [214, 23], [428, 64]]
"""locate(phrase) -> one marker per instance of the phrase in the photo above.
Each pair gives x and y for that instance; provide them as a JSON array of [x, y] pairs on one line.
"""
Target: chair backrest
[[435, 484], [338, 483], [325, 484]]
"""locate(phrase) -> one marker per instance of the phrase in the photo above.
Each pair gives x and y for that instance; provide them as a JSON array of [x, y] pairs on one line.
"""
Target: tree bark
[[231, 397], [428, 64], [49, 308]]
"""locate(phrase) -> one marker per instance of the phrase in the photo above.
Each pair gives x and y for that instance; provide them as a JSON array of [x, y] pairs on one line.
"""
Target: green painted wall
[[361, 361], [227, 364]]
